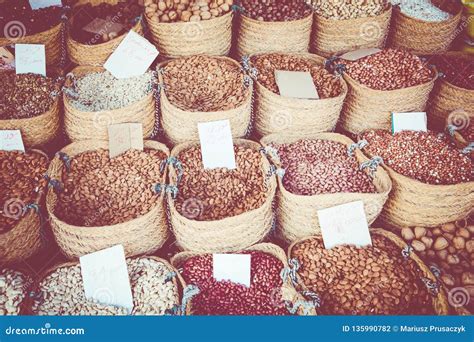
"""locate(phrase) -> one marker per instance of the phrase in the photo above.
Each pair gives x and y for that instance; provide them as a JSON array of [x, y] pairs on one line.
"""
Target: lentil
[[99, 191], [320, 166], [275, 10], [348, 9], [424, 156], [227, 298], [327, 84], [220, 193], [13, 291], [186, 10], [422, 9], [374, 280]]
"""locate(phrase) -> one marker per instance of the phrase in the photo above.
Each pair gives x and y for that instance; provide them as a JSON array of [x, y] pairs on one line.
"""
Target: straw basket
[[333, 37], [297, 215], [82, 125], [288, 291], [144, 234], [180, 39], [275, 113], [228, 234]]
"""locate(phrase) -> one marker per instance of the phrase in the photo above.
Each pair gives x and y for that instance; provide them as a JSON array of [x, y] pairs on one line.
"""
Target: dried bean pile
[[263, 297], [21, 178], [348, 9], [204, 84], [62, 293], [25, 95], [373, 280], [166, 11], [99, 191], [124, 13], [327, 84], [206, 195], [275, 10], [13, 290], [315, 167], [101, 91], [451, 248], [424, 156], [456, 70], [389, 69], [17, 19], [422, 9]]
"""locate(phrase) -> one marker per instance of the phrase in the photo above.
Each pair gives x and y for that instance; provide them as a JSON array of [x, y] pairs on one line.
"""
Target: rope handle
[[358, 145], [372, 165], [176, 164], [406, 251], [468, 149], [291, 272], [54, 184], [432, 286], [65, 159], [167, 189]]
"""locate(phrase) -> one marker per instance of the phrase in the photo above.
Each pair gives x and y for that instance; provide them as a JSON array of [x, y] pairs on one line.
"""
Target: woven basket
[[211, 37], [275, 113], [288, 291], [81, 125], [142, 235], [413, 203], [177, 281], [228, 234], [51, 39], [448, 98], [333, 37], [256, 36], [25, 239], [181, 125], [367, 108], [440, 301], [97, 54], [421, 37], [297, 215]]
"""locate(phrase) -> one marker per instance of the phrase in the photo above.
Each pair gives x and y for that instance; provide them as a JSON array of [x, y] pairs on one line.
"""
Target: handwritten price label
[[11, 140], [30, 58], [217, 146], [123, 137]]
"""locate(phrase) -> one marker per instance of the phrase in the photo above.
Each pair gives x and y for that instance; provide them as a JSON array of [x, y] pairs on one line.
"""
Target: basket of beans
[[320, 172], [275, 113], [424, 26], [156, 289], [450, 249], [14, 289], [96, 202], [433, 181], [271, 293], [343, 26], [20, 24], [30, 103], [451, 102], [97, 27], [379, 84], [202, 89], [220, 210], [94, 99], [386, 278], [273, 25], [190, 27], [22, 189]]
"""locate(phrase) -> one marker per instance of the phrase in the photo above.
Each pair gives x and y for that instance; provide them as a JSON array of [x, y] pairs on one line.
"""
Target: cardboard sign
[[123, 137], [132, 57], [30, 58], [358, 54], [296, 84], [232, 267], [344, 224], [416, 121], [37, 4], [105, 277], [101, 26], [217, 146], [10, 140]]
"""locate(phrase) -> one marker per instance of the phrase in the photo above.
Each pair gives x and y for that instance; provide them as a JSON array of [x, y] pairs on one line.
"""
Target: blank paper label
[[296, 84], [232, 267], [217, 146]]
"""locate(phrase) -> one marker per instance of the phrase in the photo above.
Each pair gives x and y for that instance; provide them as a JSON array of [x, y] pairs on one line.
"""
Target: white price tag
[[123, 137], [105, 277], [10, 140], [217, 146], [416, 121], [37, 4], [232, 267], [296, 84], [344, 224], [358, 54], [132, 57], [30, 58]]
